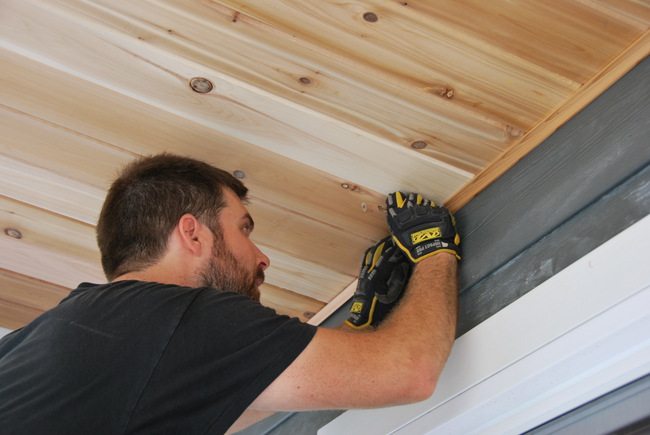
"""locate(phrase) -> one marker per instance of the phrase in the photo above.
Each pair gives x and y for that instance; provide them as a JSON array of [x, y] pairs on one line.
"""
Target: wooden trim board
[[499, 380], [616, 69], [334, 304]]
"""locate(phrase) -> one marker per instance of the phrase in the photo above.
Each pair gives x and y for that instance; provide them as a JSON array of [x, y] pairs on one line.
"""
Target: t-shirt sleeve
[[225, 351]]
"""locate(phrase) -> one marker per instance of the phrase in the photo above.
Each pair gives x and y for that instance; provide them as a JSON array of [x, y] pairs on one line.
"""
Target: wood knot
[[200, 85], [235, 17], [305, 80], [419, 144], [13, 233], [513, 131], [447, 93], [370, 17], [351, 187]]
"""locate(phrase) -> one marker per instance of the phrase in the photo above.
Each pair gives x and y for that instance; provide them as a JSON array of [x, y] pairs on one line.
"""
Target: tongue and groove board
[[325, 106]]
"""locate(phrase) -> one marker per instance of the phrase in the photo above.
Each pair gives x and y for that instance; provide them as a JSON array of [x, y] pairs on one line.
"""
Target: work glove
[[420, 228], [383, 277]]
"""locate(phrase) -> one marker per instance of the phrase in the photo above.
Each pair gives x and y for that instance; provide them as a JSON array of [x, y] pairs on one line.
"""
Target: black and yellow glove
[[384, 274], [420, 228]]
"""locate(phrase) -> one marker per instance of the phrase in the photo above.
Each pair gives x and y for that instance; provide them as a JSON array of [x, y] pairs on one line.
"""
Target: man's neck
[[161, 274]]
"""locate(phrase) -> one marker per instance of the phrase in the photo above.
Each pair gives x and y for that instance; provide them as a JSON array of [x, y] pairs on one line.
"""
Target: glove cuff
[[428, 249]]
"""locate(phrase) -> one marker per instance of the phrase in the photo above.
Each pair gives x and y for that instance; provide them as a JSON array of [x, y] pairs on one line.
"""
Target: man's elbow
[[423, 385], [419, 383]]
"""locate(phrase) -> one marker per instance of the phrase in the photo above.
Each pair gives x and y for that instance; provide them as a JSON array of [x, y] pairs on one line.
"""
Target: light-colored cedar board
[[292, 304], [334, 304], [47, 265], [50, 145], [30, 292], [56, 149], [330, 90], [303, 276], [68, 152], [422, 53], [481, 49], [555, 40], [72, 239], [48, 230], [47, 145], [620, 65], [47, 262], [83, 48], [50, 191], [14, 316], [135, 128]]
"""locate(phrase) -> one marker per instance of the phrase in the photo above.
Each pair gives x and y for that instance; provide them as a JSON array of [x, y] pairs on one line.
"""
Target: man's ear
[[190, 234]]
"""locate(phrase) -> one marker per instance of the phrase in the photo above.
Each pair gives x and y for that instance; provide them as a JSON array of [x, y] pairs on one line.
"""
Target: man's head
[[156, 200]]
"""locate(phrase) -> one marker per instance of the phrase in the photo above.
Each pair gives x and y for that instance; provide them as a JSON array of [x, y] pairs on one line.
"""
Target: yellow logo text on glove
[[424, 235], [356, 308]]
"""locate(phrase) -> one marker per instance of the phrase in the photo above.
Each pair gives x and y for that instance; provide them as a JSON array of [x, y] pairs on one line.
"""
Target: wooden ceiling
[[324, 107]]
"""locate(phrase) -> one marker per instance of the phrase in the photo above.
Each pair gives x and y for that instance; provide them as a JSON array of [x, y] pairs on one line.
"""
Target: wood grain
[[132, 128], [45, 234], [322, 110], [620, 65], [160, 79], [287, 302], [23, 290], [23, 298], [269, 58], [295, 221]]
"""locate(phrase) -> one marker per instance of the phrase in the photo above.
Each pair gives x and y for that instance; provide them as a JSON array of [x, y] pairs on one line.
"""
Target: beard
[[223, 272]]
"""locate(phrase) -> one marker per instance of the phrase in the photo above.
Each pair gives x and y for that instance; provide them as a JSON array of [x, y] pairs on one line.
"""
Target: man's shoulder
[[131, 289]]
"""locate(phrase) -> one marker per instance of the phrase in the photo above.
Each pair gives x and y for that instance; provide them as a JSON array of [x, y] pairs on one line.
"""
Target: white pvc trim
[[4, 331], [576, 336]]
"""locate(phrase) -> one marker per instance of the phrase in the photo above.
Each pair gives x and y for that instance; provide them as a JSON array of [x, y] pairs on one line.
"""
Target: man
[[176, 342]]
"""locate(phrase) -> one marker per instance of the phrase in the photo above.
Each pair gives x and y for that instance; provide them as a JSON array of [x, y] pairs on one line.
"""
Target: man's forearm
[[423, 325]]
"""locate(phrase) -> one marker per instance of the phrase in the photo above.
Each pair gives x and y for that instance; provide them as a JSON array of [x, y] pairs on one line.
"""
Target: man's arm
[[399, 363]]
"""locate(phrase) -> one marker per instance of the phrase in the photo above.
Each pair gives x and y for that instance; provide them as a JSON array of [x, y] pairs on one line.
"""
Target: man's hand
[[384, 274], [420, 228]]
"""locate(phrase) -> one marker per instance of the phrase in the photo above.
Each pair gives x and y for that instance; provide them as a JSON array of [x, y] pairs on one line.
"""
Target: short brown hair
[[146, 201]]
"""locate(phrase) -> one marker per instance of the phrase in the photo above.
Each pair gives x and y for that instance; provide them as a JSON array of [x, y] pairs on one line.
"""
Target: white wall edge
[[585, 334]]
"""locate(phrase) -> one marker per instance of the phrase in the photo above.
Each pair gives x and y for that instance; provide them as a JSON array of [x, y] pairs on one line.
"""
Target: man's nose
[[263, 261]]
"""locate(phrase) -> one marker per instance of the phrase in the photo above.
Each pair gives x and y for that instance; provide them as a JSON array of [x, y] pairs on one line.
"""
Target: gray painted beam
[[586, 230], [586, 157]]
